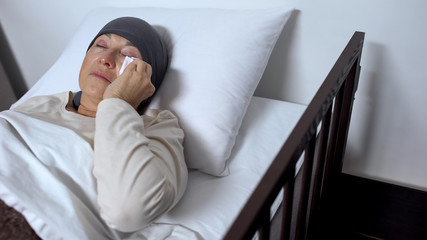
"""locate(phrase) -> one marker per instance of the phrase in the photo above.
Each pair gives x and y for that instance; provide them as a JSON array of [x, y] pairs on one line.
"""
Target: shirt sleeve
[[138, 164]]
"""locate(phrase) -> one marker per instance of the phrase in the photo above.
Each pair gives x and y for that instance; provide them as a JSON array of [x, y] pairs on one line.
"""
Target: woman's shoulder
[[45, 103]]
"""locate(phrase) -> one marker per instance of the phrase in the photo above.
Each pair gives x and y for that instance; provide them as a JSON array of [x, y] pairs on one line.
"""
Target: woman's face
[[102, 64]]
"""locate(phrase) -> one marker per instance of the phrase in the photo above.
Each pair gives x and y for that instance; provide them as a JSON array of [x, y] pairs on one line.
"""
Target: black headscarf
[[145, 38]]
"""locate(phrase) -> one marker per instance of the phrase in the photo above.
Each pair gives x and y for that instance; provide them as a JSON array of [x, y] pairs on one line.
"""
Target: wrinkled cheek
[[83, 74], [94, 87], [97, 87]]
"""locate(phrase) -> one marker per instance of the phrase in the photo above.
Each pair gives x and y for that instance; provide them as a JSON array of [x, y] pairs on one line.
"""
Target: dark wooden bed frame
[[323, 151]]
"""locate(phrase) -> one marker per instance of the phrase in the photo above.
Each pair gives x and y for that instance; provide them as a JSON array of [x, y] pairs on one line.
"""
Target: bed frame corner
[[305, 197]]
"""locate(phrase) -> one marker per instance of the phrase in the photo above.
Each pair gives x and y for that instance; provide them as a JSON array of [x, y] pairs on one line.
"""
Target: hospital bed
[[257, 166]]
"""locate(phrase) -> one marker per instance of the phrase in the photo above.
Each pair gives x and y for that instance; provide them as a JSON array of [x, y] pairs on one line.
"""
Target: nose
[[107, 59]]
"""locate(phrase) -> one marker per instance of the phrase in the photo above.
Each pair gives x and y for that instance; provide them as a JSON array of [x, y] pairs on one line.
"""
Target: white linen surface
[[211, 204], [46, 174], [208, 207]]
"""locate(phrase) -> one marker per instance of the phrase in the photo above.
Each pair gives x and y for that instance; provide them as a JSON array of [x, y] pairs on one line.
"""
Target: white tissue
[[125, 63]]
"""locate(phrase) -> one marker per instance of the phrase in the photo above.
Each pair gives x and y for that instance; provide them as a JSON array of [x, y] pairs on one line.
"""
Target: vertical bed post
[[303, 208], [341, 115], [349, 90], [287, 206], [340, 125]]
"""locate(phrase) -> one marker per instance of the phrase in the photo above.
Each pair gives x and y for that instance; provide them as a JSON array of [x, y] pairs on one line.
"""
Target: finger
[[131, 66], [143, 67]]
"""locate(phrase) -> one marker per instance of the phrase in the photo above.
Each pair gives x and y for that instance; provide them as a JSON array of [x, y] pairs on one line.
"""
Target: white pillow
[[217, 59]]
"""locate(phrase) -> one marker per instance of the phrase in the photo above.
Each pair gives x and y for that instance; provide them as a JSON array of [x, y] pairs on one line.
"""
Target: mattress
[[211, 204]]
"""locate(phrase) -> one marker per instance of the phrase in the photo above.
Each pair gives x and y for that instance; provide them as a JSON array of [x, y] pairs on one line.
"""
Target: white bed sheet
[[211, 204]]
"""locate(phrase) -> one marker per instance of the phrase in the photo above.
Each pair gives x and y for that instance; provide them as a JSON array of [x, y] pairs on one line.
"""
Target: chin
[[94, 93]]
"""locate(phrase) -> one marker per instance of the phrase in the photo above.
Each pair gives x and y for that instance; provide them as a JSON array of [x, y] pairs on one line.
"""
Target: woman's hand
[[134, 85]]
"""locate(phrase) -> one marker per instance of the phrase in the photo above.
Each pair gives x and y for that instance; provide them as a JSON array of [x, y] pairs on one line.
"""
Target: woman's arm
[[139, 164]]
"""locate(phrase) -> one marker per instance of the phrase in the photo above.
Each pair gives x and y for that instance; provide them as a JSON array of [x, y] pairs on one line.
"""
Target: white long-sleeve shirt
[[138, 162]]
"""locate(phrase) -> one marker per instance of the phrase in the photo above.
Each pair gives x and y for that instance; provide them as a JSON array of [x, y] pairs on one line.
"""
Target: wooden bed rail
[[323, 152]]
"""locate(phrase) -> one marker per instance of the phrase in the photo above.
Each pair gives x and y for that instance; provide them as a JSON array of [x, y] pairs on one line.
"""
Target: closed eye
[[100, 45], [130, 51]]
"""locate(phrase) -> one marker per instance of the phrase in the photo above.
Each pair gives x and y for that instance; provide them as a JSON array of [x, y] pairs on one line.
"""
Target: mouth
[[101, 75]]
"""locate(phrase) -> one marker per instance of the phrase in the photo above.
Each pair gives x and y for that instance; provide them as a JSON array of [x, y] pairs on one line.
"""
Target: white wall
[[388, 136]]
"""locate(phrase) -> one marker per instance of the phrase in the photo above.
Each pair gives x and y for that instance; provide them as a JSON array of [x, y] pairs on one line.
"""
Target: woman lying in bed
[[91, 155]]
